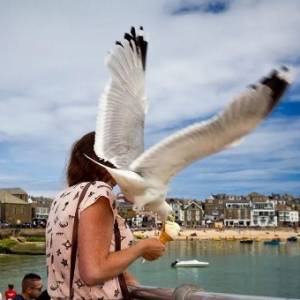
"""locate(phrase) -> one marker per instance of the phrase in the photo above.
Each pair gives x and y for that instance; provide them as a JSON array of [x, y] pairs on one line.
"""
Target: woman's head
[[80, 168]]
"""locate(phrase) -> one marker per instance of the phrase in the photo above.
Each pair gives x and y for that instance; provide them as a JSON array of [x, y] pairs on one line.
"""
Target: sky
[[200, 55]]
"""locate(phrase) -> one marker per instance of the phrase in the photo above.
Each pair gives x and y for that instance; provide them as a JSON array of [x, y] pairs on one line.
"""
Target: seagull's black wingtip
[[138, 39], [278, 81]]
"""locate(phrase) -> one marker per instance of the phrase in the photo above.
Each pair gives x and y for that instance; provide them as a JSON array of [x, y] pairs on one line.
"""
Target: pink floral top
[[59, 238]]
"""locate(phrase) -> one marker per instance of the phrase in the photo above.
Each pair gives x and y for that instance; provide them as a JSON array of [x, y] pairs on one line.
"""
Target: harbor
[[255, 269]]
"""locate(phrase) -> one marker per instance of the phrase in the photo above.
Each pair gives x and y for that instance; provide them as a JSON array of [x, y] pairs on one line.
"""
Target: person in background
[[43, 296], [10, 293], [31, 287]]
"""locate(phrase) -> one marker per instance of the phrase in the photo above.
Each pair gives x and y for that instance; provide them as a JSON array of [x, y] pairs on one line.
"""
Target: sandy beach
[[227, 234]]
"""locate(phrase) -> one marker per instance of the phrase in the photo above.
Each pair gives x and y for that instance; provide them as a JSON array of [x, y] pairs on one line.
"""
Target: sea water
[[253, 269]]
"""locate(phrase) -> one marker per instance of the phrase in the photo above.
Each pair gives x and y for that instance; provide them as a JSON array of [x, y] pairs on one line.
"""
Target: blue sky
[[201, 54]]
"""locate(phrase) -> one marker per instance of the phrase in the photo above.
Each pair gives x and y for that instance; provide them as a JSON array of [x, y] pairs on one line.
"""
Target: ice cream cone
[[164, 237]]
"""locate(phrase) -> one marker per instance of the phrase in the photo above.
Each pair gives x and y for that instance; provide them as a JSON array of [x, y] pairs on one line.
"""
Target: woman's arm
[[96, 263]]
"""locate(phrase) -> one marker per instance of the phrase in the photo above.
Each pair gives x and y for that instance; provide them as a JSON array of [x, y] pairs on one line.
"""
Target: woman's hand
[[152, 249]]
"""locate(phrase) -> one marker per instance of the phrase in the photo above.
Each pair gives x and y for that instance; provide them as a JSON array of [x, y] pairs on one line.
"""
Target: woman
[[97, 264]]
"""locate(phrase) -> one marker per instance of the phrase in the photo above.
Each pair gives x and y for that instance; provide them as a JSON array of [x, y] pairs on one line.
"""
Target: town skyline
[[17, 208], [236, 196]]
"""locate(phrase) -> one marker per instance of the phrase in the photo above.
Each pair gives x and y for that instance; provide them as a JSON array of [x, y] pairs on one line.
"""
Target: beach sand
[[227, 234]]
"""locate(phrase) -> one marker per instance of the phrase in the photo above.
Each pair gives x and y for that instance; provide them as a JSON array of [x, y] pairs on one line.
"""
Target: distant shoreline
[[226, 234], [188, 234]]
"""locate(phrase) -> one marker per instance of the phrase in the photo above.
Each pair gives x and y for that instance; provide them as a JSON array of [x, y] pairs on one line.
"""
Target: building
[[263, 214], [41, 207], [17, 192], [177, 206], [14, 210], [287, 216], [136, 219], [256, 197], [125, 210], [237, 214], [214, 208], [187, 213], [193, 214]]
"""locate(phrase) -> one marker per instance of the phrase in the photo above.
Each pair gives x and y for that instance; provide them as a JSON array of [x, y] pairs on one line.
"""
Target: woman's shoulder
[[100, 184], [95, 191], [94, 185], [70, 190]]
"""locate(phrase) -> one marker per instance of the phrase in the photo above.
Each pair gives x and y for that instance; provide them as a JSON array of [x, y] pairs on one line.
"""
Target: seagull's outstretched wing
[[120, 122], [168, 157]]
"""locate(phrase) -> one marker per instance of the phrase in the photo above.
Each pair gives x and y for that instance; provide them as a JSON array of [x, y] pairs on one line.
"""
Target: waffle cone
[[164, 237]]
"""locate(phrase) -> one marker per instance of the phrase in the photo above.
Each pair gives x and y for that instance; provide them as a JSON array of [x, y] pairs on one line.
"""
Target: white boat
[[189, 263]]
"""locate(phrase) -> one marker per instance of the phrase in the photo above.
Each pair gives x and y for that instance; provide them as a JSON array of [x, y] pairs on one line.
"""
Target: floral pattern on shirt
[[58, 243]]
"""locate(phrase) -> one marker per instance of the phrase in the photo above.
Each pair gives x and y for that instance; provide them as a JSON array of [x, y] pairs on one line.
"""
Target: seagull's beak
[[127, 180]]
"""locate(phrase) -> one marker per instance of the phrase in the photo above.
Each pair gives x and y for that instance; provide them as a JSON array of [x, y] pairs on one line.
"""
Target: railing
[[187, 292]]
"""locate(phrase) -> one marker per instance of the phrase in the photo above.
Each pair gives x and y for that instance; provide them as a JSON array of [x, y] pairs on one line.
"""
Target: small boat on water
[[273, 242], [246, 241], [189, 263], [292, 239]]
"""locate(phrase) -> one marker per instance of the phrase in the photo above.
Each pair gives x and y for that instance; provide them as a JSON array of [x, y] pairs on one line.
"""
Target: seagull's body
[[144, 176]]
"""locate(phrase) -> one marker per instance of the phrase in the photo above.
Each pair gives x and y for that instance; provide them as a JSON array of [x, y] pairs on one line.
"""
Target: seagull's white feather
[[149, 195], [235, 143], [143, 177], [174, 153], [120, 122]]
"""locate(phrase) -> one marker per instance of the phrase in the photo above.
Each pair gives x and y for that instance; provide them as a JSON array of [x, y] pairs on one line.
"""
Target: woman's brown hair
[[80, 168]]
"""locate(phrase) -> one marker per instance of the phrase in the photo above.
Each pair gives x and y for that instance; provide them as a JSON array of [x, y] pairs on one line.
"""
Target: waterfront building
[[237, 213], [187, 212], [125, 210], [277, 198], [40, 207], [287, 216], [14, 210], [214, 208], [137, 221], [177, 206], [263, 214], [17, 192], [256, 197], [193, 214], [134, 219]]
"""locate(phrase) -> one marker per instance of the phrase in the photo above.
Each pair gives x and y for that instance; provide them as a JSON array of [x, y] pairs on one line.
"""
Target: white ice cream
[[172, 229]]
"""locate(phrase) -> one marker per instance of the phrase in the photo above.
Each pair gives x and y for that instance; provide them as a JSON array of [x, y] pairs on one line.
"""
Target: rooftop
[[15, 190], [6, 197]]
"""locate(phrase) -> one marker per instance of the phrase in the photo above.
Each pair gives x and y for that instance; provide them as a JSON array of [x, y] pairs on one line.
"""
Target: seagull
[[143, 176]]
